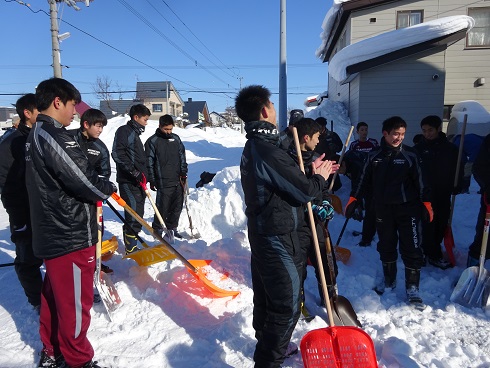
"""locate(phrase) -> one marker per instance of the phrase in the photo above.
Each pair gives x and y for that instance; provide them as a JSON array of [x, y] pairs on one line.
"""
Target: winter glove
[[183, 178], [430, 212], [324, 211], [152, 187], [140, 178], [350, 207]]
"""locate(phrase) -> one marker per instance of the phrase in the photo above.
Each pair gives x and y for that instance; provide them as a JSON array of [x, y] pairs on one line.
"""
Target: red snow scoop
[[343, 346], [193, 266], [448, 233]]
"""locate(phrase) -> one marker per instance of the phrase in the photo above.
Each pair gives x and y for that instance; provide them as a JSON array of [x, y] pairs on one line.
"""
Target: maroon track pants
[[66, 299]]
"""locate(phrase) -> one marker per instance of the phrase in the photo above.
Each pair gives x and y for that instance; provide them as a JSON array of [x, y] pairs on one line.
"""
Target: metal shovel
[[473, 287]]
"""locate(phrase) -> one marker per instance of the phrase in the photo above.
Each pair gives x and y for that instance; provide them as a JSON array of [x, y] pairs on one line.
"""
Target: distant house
[[198, 112], [7, 114], [114, 108], [160, 97], [217, 119], [426, 78]]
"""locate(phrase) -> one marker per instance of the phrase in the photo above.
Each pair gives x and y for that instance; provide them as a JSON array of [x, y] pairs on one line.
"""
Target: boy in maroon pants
[[63, 190]]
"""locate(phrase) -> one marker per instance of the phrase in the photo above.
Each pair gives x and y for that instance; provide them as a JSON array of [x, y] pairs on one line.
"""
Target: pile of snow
[[169, 320], [478, 120], [327, 25], [385, 43]]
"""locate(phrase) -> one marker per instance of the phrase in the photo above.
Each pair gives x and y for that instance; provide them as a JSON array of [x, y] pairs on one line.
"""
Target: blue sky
[[231, 42]]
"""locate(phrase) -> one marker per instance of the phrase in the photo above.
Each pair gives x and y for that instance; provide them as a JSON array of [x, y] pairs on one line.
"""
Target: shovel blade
[[345, 312], [338, 347], [465, 287], [200, 275], [108, 293], [342, 254], [151, 255]]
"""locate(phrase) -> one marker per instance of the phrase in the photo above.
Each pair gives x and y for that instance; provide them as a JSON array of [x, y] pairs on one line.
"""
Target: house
[[7, 114], [217, 119], [425, 78], [160, 97], [197, 112], [114, 108]]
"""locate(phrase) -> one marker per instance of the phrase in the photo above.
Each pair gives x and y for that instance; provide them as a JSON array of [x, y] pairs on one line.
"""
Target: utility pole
[[55, 42], [283, 80], [55, 37]]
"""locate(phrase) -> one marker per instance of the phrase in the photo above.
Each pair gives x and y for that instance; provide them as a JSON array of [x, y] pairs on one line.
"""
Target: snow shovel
[[341, 305], [343, 346], [193, 266], [185, 187], [343, 254], [448, 233], [169, 233], [473, 287], [148, 255], [103, 283]]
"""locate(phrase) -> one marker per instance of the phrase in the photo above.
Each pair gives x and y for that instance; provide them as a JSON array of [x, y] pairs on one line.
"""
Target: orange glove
[[430, 211], [350, 207]]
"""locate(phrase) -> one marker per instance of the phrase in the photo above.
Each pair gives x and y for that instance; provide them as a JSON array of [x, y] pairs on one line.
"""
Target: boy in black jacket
[[438, 159], [308, 134], [63, 191], [129, 155], [275, 192], [481, 172], [394, 175], [15, 201], [167, 173]]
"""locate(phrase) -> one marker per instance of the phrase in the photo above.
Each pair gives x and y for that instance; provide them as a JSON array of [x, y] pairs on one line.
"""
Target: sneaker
[[169, 237], [106, 269], [439, 263], [291, 349], [364, 243], [413, 295], [177, 234], [50, 362]]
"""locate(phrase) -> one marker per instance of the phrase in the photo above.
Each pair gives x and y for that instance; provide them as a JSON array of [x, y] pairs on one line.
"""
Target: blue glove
[[324, 211]]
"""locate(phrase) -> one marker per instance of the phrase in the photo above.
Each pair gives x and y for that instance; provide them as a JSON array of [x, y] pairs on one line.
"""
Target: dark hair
[[307, 126], [361, 124], [92, 117], [432, 120], [139, 110], [295, 116], [26, 102], [165, 120], [417, 138], [51, 88], [394, 122], [250, 101]]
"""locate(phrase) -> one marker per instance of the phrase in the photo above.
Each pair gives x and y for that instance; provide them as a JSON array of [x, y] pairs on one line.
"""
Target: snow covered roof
[[385, 43]]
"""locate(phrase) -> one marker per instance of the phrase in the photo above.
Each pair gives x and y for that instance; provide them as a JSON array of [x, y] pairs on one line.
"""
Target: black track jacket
[[128, 152], [96, 151], [438, 159], [165, 159], [275, 189], [12, 175], [63, 189], [394, 176]]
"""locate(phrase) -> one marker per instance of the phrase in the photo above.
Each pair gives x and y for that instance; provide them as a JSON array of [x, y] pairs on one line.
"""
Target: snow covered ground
[[169, 320]]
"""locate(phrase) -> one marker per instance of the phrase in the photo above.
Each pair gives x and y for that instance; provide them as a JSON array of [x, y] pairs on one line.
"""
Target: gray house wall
[[458, 67]]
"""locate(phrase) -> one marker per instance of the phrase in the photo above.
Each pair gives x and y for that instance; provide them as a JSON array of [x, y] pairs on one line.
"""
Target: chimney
[[189, 99]]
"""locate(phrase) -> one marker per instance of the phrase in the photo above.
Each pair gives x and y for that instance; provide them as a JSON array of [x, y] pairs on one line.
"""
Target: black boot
[[389, 278], [412, 281], [130, 243]]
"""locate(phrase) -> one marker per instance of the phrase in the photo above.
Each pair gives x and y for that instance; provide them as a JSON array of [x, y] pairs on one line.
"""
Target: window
[[407, 18], [157, 107], [479, 36]]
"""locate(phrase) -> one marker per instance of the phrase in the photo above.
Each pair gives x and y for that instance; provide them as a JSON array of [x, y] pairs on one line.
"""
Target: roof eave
[[439, 42]]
